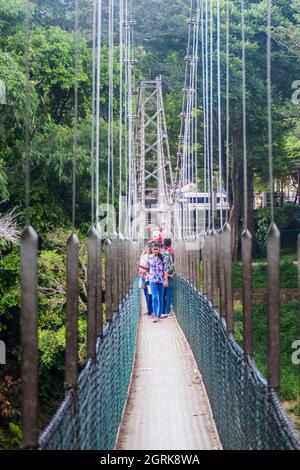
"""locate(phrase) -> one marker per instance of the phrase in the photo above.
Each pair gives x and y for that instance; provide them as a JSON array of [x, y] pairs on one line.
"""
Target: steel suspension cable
[[199, 8], [244, 116], [110, 160], [269, 87], [211, 118], [126, 109], [227, 103], [121, 38], [183, 108], [207, 107], [194, 108], [27, 113], [133, 87], [179, 177], [190, 143], [93, 113], [204, 105], [75, 124], [219, 108], [98, 104], [180, 167], [129, 65]]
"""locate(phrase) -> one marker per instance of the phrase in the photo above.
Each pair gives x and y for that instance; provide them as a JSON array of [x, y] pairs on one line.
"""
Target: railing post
[[273, 256], [186, 262], [208, 265], [247, 291], [124, 267], [214, 240], [203, 258], [93, 250], [198, 261], [136, 253], [222, 272], [71, 359], [120, 268], [29, 337], [228, 277], [108, 285], [202, 269], [114, 275], [194, 265], [127, 266], [131, 261], [99, 309]]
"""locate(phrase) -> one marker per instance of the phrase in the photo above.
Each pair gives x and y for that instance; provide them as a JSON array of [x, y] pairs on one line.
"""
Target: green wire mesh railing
[[247, 414], [89, 418]]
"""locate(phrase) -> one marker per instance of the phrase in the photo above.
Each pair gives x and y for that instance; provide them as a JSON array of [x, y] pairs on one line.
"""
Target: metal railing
[[90, 415], [248, 414]]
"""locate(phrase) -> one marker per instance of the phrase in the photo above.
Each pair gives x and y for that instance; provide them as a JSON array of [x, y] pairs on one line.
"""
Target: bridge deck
[[167, 407]]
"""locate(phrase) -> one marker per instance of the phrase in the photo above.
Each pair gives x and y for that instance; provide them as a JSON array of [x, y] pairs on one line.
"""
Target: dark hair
[[167, 242], [158, 245]]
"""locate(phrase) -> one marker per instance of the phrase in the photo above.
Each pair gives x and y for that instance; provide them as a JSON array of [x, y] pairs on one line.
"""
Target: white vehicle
[[202, 201]]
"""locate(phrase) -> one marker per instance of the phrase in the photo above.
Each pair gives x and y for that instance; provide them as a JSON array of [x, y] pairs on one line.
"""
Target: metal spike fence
[[89, 417], [247, 413]]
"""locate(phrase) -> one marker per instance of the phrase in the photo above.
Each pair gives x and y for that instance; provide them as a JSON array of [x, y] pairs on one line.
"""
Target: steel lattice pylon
[[154, 178]]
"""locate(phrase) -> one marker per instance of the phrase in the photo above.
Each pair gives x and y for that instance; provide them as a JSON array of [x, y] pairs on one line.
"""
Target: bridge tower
[[154, 178]]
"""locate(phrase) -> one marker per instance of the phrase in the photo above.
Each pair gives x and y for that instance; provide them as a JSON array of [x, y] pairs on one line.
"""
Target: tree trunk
[[236, 197], [251, 227]]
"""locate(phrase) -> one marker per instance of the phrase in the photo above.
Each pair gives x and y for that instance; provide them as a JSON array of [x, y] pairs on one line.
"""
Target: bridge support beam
[[114, 274], [29, 338], [108, 281], [93, 251], [273, 256], [247, 291], [228, 277], [71, 359], [222, 297], [214, 280], [99, 309]]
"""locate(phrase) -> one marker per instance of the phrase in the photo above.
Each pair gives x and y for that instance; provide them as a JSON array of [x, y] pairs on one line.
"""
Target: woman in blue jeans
[[157, 276]]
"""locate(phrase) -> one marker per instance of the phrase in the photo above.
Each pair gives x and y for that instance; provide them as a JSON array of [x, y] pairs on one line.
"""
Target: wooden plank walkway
[[167, 408]]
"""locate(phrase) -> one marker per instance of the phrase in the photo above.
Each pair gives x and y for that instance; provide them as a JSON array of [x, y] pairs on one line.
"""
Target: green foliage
[[289, 331], [10, 437], [262, 221], [288, 274], [52, 318], [286, 217]]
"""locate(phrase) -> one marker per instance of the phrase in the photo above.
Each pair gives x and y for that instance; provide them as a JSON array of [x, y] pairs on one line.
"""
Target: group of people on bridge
[[157, 273]]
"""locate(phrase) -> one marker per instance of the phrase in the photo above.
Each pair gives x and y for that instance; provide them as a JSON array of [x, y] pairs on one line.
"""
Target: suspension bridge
[[184, 383]]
